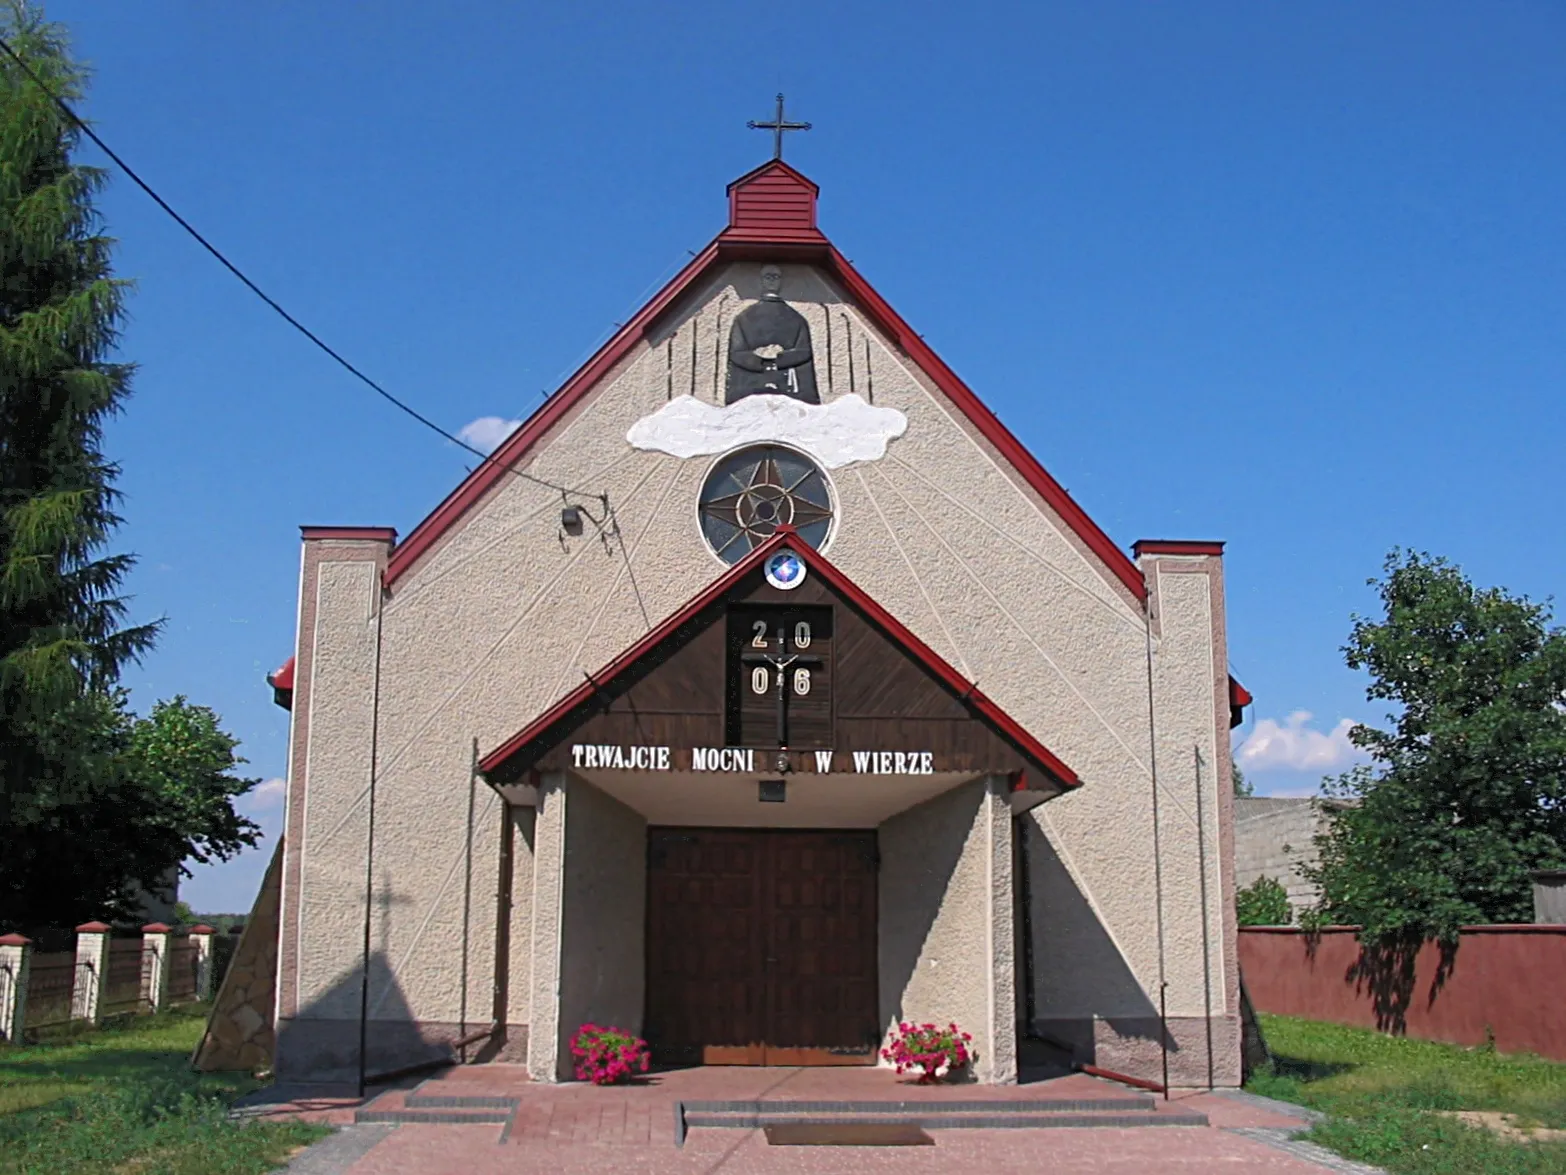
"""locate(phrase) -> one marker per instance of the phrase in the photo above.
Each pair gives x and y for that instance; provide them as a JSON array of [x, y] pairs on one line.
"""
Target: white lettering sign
[[894, 763], [602, 757], [621, 758], [722, 759]]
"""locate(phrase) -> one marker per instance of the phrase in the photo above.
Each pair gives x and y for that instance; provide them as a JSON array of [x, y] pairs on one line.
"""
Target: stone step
[[403, 1107], [438, 1117], [944, 1120], [947, 1116], [1122, 1102], [420, 1101]]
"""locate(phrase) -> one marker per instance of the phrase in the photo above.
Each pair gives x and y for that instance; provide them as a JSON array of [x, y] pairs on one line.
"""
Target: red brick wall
[[1507, 980]]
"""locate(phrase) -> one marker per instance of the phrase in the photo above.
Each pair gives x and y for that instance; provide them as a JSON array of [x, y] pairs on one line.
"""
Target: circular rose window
[[753, 492]]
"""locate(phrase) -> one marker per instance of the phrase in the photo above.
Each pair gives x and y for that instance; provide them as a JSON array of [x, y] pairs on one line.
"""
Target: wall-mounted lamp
[[571, 520]]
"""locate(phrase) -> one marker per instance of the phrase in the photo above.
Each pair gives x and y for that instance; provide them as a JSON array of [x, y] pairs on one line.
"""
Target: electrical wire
[[65, 108], [486, 458]]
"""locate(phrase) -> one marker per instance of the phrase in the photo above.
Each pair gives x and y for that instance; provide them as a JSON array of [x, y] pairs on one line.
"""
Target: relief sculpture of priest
[[769, 348]]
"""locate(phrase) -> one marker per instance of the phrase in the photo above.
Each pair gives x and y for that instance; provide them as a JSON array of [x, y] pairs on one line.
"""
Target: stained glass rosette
[[749, 494]]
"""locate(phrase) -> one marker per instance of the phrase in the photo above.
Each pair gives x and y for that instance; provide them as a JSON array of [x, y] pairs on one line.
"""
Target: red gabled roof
[[818, 564], [772, 214]]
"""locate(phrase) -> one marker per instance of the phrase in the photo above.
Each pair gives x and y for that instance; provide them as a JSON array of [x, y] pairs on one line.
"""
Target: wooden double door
[[761, 947]]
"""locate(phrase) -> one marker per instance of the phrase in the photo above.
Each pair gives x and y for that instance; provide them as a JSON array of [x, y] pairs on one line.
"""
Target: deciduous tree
[[1464, 794]]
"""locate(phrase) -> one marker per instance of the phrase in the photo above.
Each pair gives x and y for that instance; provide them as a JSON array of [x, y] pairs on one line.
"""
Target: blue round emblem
[[784, 570]]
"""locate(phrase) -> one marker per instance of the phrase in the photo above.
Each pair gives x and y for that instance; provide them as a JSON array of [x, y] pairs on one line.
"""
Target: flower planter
[[608, 1056], [931, 1053]]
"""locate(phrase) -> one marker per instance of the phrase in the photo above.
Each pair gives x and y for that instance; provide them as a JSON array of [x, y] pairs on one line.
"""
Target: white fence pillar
[[201, 939], [92, 971], [14, 952], [155, 938]]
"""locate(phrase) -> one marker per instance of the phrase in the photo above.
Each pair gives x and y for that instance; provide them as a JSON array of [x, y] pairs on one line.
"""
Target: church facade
[[760, 693]]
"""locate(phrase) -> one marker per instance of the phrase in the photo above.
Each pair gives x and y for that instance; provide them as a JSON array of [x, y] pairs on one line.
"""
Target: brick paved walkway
[[576, 1128]]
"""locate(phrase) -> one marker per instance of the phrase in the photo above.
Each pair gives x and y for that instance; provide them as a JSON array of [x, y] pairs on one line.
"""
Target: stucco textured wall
[[327, 902], [945, 951], [1188, 773], [602, 952], [503, 616], [543, 930], [519, 976]]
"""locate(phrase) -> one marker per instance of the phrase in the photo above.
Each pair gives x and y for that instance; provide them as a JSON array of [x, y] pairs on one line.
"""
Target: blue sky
[[1288, 276]]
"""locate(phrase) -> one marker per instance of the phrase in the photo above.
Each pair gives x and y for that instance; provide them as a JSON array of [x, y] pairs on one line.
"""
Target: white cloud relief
[[835, 434], [1294, 745], [486, 433]]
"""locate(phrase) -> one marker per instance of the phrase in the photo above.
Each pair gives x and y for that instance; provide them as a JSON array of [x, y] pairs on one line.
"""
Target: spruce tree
[[63, 636]]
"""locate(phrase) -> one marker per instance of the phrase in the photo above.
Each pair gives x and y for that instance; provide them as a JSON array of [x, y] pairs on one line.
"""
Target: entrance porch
[[829, 810], [796, 938]]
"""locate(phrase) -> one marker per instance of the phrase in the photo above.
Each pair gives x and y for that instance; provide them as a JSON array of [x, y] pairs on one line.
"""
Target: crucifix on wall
[[792, 670], [780, 682]]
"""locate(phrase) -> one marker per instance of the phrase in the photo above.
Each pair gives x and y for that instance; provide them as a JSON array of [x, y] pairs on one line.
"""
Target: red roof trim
[[845, 587], [283, 676], [281, 680], [521, 442], [1239, 698], [728, 246], [1176, 547], [379, 534], [989, 425]]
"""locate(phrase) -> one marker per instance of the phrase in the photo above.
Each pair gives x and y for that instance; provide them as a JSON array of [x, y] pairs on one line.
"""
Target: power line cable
[[610, 517], [189, 228]]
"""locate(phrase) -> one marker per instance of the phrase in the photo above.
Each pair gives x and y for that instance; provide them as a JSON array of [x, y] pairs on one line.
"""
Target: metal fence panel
[[184, 970], [51, 981], [127, 984]]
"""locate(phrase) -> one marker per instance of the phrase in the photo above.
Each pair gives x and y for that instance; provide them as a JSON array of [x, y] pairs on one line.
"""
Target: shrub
[[931, 1052], [1263, 903], [608, 1056]]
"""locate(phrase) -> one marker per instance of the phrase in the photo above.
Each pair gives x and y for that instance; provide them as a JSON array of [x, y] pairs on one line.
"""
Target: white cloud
[[835, 434], [268, 793], [486, 433], [1295, 746]]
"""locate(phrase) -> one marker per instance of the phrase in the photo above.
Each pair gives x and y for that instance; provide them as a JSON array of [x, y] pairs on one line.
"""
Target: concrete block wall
[[1273, 837]]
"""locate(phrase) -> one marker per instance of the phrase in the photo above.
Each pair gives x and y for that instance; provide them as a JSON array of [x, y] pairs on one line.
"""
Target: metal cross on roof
[[777, 126]]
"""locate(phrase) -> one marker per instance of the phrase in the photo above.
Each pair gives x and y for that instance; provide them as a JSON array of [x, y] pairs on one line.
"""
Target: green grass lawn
[[1381, 1095], [123, 1100]]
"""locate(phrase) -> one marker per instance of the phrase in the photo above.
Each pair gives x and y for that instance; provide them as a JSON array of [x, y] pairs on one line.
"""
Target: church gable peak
[[772, 221], [773, 203]]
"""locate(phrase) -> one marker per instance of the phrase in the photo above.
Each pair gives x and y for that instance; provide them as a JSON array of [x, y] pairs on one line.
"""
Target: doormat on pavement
[[846, 1134]]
